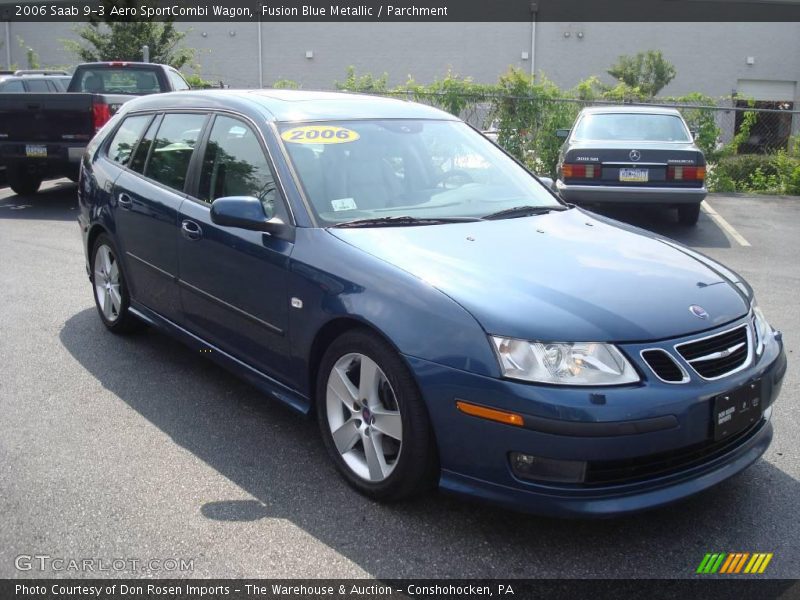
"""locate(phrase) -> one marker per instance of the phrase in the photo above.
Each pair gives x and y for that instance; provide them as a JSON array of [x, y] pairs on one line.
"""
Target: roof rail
[[40, 72]]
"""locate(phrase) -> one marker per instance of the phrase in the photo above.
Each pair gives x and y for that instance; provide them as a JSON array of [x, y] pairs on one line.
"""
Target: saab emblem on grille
[[635, 155], [698, 311]]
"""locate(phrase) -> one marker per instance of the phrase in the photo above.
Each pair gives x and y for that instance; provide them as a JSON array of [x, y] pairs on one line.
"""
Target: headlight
[[576, 363], [762, 328]]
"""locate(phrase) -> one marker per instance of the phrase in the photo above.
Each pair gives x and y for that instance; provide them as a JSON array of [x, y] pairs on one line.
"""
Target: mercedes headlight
[[573, 363], [762, 328]]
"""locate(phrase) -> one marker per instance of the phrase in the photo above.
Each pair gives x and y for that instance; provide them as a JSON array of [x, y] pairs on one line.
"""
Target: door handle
[[125, 201], [191, 230]]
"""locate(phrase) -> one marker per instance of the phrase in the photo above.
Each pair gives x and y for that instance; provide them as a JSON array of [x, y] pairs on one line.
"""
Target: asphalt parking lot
[[137, 448]]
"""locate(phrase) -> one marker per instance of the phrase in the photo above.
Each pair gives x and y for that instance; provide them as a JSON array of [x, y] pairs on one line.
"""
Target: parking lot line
[[727, 227]]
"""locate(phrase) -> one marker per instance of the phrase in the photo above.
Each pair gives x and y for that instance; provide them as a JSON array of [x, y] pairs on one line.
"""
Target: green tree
[[648, 72], [102, 40]]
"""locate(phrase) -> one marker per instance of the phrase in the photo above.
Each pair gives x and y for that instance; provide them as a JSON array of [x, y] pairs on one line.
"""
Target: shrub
[[364, 83], [196, 82], [286, 84], [777, 173]]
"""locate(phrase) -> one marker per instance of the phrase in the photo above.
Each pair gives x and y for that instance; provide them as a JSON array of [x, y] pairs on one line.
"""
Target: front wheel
[[111, 294], [688, 214], [373, 419]]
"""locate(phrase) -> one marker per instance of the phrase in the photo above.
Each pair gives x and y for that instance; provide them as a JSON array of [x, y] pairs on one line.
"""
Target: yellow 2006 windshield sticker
[[319, 134]]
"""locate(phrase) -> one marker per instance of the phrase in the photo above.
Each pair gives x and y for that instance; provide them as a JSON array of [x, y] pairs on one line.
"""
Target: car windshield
[[639, 127], [124, 80], [416, 169]]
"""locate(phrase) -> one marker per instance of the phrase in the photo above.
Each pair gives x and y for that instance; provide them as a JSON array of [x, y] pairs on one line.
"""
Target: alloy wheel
[[364, 417], [107, 283]]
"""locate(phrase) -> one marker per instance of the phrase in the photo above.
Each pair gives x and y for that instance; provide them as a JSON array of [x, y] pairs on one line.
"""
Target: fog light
[[536, 468]]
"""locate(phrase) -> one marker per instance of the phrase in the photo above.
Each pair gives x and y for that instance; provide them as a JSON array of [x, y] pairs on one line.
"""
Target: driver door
[[233, 281]]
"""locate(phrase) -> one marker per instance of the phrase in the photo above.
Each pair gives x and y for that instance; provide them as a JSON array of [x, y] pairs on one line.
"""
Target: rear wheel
[[22, 181], [373, 419], [111, 294], [688, 214]]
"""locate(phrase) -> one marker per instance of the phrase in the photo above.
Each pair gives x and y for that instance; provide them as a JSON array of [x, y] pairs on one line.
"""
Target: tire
[[22, 182], [689, 214], [108, 277], [400, 468]]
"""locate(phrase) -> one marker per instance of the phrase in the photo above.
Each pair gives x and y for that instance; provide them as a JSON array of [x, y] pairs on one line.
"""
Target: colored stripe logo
[[733, 563]]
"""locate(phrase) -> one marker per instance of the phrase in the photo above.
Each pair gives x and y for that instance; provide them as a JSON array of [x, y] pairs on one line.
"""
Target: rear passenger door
[[233, 281], [146, 198]]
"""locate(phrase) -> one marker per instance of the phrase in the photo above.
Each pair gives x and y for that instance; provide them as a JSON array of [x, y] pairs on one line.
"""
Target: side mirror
[[694, 133], [244, 212], [547, 182], [562, 133]]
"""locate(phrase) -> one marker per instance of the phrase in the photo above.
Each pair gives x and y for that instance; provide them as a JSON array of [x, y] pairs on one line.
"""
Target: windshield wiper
[[523, 211], [399, 221]]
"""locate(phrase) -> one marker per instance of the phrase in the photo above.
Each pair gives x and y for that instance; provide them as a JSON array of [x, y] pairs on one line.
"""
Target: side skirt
[[262, 382]]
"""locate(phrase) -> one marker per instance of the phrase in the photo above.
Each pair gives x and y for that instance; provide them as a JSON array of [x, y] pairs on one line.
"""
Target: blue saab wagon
[[449, 320]]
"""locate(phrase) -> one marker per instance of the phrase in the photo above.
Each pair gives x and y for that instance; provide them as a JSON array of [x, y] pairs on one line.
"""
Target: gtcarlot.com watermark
[[46, 563]]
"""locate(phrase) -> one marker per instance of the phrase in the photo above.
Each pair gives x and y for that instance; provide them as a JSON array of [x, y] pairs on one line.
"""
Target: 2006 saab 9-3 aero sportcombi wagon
[[448, 318]]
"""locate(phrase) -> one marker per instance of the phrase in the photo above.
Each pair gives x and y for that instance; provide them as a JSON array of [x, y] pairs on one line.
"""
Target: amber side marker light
[[492, 414]]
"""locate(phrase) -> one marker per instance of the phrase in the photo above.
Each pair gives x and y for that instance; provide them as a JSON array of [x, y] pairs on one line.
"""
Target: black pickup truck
[[43, 136]]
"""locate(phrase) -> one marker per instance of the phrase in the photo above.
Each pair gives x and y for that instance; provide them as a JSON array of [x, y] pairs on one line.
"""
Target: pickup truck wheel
[[373, 419], [111, 294], [22, 182], [689, 214]]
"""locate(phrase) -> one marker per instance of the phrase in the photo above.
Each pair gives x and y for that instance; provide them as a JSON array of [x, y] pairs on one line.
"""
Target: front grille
[[717, 355], [658, 465], [664, 366]]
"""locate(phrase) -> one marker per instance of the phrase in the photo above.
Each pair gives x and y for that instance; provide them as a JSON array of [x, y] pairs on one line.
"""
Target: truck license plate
[[35, 151], [633, 175]]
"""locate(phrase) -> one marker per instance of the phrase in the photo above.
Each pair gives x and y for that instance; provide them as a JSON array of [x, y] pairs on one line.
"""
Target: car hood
[[562, 276]]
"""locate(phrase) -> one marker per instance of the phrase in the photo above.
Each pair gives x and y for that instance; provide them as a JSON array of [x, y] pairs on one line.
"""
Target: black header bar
[[404, 10]]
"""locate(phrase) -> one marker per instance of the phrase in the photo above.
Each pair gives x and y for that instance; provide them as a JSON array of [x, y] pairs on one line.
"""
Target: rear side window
[[38, 85], [178, 83], [143, 149], [173, 147], [14, 87], [235, 165], [124, 140]]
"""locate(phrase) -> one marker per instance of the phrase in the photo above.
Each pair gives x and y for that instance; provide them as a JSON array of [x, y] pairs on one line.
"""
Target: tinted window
[[38, 85], [176, 139], [118, 81], [235, 165], [14, 86], [177, 81], [631, 127], [143, 149], [61, 83], [124, 140]]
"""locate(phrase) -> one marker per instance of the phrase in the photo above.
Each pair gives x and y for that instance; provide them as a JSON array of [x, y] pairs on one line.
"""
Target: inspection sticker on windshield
[[319, 134], [343, 204]]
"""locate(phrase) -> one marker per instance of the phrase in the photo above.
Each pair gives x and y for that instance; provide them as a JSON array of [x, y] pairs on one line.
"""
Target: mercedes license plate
[[633, 175]]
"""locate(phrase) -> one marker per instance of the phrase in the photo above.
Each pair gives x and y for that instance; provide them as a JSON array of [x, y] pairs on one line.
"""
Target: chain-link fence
[[770, 127]]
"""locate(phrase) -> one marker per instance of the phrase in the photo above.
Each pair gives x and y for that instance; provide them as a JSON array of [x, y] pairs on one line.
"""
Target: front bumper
[[618, 194], [474, 452]]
